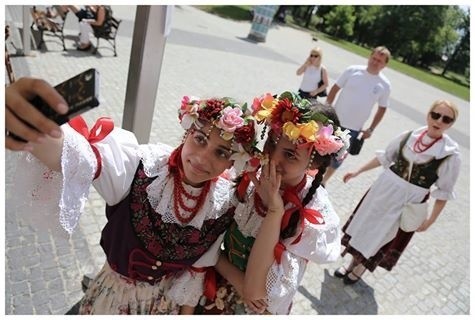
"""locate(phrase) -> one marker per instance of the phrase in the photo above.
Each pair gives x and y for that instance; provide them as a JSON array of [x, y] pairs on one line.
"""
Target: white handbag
[[413, 214]]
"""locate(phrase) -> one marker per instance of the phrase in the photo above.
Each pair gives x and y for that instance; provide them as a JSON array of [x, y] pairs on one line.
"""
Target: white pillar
[[152, 26], [26, 31]]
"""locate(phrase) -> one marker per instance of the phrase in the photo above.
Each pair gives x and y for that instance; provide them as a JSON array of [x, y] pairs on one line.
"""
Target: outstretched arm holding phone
[[19, 110]]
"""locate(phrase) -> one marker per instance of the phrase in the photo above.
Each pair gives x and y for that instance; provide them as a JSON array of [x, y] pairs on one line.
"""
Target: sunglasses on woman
[[314, 55], [445, 119]]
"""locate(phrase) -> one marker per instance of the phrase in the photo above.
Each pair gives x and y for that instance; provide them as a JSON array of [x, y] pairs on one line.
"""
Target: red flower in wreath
[[245, 134], [284, 112], [212, 111]]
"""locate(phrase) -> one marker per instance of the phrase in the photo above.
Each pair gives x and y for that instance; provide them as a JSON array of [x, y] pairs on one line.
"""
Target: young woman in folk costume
[[287, 219], [167, 209]]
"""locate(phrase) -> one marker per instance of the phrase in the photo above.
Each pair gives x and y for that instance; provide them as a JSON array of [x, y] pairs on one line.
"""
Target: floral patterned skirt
[[227, 301], [112, 293]]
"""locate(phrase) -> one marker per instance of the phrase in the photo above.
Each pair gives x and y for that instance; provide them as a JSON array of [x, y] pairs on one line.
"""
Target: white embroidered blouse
[[319, 243], [63, 195]]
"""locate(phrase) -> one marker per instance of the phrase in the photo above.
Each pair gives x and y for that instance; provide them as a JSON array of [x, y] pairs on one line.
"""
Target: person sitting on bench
[[101, 20]]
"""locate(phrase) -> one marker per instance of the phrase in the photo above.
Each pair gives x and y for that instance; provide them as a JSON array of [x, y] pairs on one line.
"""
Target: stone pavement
[[205, 56]]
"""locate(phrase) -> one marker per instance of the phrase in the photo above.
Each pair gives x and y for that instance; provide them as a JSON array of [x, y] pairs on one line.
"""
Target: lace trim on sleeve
[[53, 196], [36, 194], [79, 166], [282, 282]]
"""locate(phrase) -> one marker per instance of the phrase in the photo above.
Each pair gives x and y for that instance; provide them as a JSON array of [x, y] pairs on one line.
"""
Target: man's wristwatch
[[370, 130]]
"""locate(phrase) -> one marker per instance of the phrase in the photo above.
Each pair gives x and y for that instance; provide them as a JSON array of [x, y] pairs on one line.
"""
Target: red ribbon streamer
[[210, 281], [243, 184], [278, 251]]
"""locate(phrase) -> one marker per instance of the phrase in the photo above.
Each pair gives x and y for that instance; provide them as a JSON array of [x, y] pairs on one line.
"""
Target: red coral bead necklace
[[420, 146], [179, 194]]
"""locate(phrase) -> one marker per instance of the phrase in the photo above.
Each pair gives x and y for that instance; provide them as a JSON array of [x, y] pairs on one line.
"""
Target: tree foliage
[[419, 35]]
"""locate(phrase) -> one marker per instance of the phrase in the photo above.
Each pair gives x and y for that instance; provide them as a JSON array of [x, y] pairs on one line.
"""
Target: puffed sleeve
[[448, 173], [388, 156], [188, 288], [319, 243], [119, 153]]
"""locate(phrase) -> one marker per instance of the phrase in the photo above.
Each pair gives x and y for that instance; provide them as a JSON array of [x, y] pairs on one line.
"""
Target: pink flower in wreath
[[231, 119], [189, 111], [327, 144]]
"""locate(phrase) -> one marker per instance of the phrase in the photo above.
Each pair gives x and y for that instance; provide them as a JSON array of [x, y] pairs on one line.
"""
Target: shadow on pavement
[[338, 298]]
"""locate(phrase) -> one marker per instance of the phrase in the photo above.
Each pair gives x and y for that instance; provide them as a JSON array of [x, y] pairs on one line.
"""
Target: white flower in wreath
[[345, 138], [240, 158], [190, 117]]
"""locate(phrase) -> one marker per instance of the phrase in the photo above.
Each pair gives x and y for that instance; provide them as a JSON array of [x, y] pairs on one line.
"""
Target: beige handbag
[[413, 214]]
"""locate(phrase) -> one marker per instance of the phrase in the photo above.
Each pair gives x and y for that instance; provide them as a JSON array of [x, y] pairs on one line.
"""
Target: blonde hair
[[382, 50], [318, 51], [452, 106]]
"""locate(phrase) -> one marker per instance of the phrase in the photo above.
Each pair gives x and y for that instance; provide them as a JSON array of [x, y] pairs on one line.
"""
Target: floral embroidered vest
[[423, 174], [139, 245]]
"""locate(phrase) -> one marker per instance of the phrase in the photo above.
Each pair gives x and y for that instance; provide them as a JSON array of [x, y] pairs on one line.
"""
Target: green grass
[[238, 13], [454, 84]]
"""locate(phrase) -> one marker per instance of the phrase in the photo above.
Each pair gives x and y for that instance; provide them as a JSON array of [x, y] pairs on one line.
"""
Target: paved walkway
[[207, 56]]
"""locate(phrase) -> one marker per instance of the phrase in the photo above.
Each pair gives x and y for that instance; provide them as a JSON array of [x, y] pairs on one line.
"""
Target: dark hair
[[321, 163]]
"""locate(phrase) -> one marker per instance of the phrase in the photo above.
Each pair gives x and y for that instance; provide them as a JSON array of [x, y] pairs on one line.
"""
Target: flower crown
[[235, 122], [294, 116]]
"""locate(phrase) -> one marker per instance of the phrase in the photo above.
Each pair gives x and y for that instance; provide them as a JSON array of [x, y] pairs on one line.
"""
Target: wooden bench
[[8, 63], [109, 36], [43, 23]]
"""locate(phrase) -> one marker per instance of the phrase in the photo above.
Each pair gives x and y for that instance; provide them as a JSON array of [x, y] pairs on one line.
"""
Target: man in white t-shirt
[[361, 88]]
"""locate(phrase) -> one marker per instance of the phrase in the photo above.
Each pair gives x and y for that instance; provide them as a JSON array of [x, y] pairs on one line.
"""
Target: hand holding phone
[[81, 93]]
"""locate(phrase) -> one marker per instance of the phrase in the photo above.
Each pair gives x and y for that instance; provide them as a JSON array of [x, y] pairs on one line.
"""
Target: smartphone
[[81, 93]]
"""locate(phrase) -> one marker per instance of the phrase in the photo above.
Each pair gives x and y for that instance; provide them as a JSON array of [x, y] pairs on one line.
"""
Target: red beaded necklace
[[179, 193], [420, 146], [262, 210]]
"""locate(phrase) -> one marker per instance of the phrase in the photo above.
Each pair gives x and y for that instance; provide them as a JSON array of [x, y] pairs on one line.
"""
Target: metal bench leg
[[42, 41], [97, 47], [62, 40]]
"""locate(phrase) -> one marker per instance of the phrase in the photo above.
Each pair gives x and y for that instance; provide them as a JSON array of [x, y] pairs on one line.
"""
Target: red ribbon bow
[[99, 131], [312, 216]]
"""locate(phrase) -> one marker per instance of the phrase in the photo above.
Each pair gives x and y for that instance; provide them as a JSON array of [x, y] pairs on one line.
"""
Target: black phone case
[[81, 93]]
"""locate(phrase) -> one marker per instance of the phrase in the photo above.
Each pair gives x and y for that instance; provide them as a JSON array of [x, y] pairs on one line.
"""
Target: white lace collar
[[160, 192], [249, 222]]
